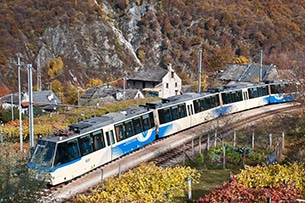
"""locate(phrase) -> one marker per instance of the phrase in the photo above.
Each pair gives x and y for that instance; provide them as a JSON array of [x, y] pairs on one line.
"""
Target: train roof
[[176, 99], [96, 122]]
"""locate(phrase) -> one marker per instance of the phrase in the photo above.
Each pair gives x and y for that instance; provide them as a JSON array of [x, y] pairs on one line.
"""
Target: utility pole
[[12, 106], [261, 66], [39, 75], [199, 71], [31, 125], [19, 64]]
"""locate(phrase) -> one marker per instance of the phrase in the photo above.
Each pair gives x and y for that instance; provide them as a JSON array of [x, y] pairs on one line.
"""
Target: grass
[[209, 180]]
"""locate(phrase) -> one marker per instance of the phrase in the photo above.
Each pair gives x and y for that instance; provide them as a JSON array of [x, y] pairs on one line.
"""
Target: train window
[[233, 96], [182, 110], [43, 153], [236, 96], [164, 115], [128, 128], [66, 151], [196, 104], [61, 154], [98, 140], [274, 89], [73, 150], [146, 122], [167, 115], [226, 97], [119, 131], [214, 101], [137, 125], [253, 93], [264, 91], [85, 143], [174, 110], [239, 96], [280, 88], [152, 120], [108, 139], [207, 103], [202, 105]]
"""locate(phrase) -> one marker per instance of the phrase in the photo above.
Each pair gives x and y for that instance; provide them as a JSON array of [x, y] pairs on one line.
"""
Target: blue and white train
[[91, 143]]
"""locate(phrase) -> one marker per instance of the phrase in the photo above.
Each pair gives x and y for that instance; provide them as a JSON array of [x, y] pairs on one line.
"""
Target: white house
[[156, 81]]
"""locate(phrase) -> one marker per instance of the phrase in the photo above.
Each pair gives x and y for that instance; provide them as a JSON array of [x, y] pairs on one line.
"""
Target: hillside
[[69, 42]]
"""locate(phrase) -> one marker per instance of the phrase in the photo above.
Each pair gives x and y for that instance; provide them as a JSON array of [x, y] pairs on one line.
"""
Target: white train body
[[93, 142]]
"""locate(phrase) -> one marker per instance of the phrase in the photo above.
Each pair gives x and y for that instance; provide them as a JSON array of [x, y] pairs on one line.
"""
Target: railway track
[[165, 152]]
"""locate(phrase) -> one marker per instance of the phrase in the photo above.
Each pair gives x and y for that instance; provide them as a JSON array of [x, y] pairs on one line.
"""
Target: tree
[[57, 88], [94, 82], [55, 67], [17, 184], [241, 60]]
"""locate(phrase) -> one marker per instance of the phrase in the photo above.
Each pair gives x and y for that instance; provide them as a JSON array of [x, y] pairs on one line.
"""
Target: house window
[[176, 84], [173, 74], [166, 85]]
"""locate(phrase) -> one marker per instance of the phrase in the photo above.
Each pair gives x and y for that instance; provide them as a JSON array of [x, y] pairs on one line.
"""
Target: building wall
[[171, 85]]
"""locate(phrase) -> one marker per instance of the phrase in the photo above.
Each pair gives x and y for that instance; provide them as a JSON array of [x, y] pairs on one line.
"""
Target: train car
[[206, 107], [184, 111], [92, 143], [282, 91], [173, 114], [243, 97]]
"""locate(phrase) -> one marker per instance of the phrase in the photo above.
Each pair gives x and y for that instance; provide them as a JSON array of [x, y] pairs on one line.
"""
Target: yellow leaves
[[55, 67], [146, 183], [262, 176], [241, 60], [94, 82]]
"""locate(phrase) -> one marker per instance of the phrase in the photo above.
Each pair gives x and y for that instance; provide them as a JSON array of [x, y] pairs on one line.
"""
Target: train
[[93, 142]]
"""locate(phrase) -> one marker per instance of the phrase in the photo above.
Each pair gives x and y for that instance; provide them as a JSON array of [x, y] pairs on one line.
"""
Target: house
[[108, 94], [156, 81], [248, 73], [45, 100]]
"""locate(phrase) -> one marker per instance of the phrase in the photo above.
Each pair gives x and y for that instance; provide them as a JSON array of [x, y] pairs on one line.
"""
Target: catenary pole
[[19, 106], [31, 125]]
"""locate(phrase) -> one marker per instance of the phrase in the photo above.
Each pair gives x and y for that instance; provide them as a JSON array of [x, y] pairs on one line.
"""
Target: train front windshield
[[43, 154]]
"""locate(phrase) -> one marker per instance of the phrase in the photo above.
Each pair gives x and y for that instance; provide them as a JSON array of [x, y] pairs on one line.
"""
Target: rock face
[[103, 48], [108, 39]]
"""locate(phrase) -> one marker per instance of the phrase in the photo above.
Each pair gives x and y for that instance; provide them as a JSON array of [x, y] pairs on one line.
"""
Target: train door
[[245, 97], [190, 112], [110, 141]]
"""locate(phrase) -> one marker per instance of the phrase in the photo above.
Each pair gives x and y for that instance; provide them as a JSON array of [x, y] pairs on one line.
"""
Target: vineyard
[[48, 123]]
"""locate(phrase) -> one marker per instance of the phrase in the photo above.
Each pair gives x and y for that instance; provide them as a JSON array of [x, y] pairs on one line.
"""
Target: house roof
[[108, 91], [45, 97], [8, 98], [151, 74], [248, 72], [40, 98], [98, 92]]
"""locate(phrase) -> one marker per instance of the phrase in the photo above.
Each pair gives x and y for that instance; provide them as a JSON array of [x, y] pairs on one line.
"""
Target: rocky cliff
[[110, 39]]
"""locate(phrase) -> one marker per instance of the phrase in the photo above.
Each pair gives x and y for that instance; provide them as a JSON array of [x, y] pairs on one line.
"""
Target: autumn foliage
[[146, 183], [236, 192]]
